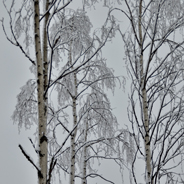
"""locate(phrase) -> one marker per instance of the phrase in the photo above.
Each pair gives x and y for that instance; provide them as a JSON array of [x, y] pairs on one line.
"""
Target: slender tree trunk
[[42, 120], [72, 148], [144, 101], [73, 135], [84, 154], [45, 48]]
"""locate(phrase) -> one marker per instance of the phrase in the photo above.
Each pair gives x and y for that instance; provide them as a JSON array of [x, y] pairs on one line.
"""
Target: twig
[[30, 160]]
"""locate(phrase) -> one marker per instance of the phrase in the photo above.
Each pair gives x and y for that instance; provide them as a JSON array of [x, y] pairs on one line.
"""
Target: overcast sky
[[14, 72]]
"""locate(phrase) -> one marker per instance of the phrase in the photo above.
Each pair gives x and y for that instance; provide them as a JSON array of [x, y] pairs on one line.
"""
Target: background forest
[[99, 89]]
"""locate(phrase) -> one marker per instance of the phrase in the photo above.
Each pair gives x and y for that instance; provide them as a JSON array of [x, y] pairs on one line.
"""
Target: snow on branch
[[30, 160]]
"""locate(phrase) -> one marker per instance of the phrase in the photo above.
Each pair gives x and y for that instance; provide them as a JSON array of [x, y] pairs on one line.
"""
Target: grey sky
[[13, 72]]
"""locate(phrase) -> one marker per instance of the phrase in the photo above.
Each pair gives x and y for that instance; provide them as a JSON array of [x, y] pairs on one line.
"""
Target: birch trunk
[[84, 155], [42, 121], [144, 101], [45, 48], [73, 135]]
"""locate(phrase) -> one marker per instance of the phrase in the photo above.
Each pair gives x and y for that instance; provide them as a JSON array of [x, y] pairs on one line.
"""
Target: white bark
[[73, 136], [84, 154], [156, 84], [42, 175], [74, 109], [144, 100], [45, 47]]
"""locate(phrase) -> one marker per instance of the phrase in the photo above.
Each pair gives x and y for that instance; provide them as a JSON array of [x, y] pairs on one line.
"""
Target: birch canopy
[[67, 101], [67, 93], [154, 57]]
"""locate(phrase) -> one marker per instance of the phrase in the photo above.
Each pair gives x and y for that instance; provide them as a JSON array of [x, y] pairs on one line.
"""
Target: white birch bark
[[144, 101], [45, 47], [42, 176], [73, 135], [84, 155]]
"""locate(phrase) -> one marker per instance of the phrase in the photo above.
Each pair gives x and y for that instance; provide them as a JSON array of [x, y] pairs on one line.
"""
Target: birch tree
[[154, 57], [154, 52], [83, 90], [99, 140], [50, 45]]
